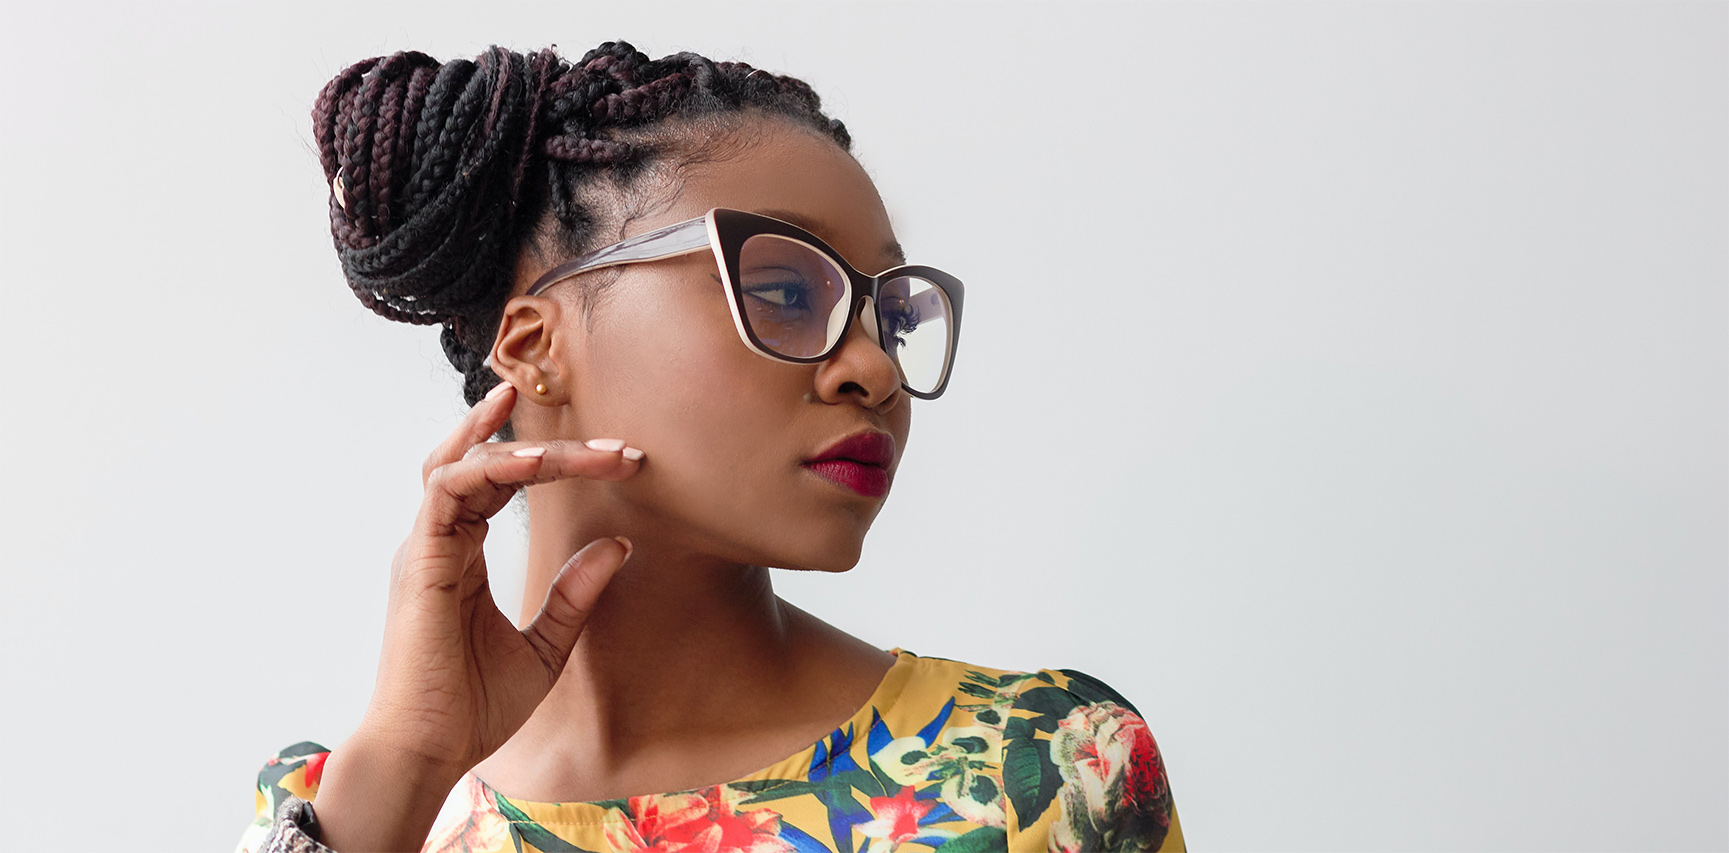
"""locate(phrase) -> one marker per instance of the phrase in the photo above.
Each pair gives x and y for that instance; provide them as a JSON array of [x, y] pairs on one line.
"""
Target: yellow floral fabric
[[946, 756]]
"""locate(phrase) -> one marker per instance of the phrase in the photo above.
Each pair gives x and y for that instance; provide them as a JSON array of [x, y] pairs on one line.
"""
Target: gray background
[[1345, 384]]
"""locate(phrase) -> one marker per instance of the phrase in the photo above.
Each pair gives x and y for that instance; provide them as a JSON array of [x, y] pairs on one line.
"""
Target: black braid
[[441, 171]]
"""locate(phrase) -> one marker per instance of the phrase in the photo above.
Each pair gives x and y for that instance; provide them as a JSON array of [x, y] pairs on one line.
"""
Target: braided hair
[[442, 173]]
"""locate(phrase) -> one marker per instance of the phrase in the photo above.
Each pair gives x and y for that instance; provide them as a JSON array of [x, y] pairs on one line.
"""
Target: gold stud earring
[[539, 388]]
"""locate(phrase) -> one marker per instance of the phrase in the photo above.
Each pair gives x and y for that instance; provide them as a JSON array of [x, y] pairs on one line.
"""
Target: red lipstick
[[859, 462]]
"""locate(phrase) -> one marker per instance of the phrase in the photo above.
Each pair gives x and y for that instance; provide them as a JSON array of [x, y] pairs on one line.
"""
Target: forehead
[[795, 175]]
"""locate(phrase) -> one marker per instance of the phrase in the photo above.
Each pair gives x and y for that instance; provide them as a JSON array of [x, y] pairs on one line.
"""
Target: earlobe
[[525, 352]]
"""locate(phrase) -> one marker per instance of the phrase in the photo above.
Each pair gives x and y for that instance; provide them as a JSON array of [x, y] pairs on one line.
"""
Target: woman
[[649, 276]]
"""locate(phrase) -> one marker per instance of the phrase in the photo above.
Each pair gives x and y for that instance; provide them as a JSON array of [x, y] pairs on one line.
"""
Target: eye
[[900, 317], [785, 295]]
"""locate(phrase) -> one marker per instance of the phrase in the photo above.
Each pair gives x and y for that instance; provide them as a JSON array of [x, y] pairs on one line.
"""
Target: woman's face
[[727, 432]]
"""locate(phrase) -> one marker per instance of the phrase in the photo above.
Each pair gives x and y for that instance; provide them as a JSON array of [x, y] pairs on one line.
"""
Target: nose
[[868, 319], [859, 370]]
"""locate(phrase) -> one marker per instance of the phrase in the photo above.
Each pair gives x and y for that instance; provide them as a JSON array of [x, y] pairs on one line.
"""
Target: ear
[[531, 339]]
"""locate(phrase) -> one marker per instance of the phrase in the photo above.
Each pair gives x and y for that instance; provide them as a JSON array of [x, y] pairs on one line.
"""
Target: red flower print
[[1114, 795], [706, 821], [315, 768], [897, 819]]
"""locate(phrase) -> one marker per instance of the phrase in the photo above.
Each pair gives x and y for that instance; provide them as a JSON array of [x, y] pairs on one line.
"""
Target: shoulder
[[1043, 698], [1081, 764], [1051, 697], [970, 679]]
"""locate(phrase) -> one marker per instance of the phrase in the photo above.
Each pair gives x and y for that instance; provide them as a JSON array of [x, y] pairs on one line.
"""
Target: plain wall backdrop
[[1346, 384]]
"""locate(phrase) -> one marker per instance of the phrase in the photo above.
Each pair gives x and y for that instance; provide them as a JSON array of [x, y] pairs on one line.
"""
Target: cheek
[[669, 375], [725, 431], [673, 361]]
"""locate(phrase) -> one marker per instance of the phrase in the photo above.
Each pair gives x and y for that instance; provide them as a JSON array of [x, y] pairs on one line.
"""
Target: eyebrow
[[816, 226]]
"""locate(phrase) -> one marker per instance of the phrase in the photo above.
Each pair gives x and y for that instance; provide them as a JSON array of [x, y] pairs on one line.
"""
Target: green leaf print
[[1007, 679], [977, 691], [1031, 778], [971, 744], [981, 840], [622, 804], [754, 786], [884, 781], [860, 779], [795, 788], [984, 791], [1048, 704], [1094, 691], [541, 837]]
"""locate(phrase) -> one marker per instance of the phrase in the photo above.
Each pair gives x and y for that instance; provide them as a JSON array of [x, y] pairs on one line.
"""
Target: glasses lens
[[795, 298], [916, 323]]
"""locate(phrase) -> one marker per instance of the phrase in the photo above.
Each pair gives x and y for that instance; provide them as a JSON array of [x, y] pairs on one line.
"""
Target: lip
[[859, 462], [868, 447]]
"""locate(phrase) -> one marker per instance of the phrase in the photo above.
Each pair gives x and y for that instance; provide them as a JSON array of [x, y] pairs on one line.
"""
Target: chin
[[837, 553]]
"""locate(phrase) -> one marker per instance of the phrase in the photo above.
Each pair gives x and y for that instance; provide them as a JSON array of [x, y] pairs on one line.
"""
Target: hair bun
[[425, 161]]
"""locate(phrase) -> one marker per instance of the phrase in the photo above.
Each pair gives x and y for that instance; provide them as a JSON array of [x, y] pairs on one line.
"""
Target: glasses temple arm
[[677, 239], [681, 238], [930, 300]]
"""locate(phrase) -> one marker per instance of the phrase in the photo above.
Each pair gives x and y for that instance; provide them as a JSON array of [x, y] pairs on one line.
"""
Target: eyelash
[[909, 319], [801, 301]]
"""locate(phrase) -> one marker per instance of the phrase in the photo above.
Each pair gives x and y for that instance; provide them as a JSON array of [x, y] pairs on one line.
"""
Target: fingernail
[[608, 445], [498, 389], [633, 454], [627, 549], [529, 451]]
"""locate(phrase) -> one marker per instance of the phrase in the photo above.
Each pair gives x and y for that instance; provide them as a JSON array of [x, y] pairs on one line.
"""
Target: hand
[[457, 678]]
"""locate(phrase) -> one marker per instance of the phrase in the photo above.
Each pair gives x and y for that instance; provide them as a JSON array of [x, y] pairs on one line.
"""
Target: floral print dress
[[946, 756]]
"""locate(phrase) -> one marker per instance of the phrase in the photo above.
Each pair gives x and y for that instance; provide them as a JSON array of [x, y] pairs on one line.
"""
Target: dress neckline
[[791, 768]]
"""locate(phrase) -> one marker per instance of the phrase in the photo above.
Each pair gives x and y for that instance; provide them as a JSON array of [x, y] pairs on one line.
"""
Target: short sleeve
[[1082, 771], [288, 779]]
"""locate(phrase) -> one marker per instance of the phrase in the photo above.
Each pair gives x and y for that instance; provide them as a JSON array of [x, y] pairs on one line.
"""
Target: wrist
[[375, 797], [423, 759]]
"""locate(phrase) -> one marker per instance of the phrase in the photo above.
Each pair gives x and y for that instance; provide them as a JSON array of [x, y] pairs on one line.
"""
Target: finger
[[397, 559], [476, 427], [596, 459], [476, 488], [571, 599]]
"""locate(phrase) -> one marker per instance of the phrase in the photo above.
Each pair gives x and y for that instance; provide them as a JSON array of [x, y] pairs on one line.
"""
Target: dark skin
[[660, 660]]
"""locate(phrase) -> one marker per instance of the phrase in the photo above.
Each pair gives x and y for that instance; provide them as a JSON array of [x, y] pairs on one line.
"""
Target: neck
[[683, 653], [686, 617], [680, 615]]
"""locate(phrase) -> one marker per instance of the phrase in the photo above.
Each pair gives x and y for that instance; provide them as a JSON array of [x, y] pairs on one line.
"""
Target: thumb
[[571, 598]]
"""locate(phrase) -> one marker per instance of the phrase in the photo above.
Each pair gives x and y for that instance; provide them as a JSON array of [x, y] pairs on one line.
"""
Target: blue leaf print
[[832, 755], [929, 732], [879, 733], [844, 813], [802, 841]]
